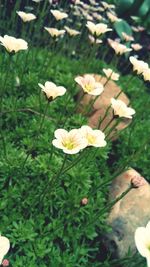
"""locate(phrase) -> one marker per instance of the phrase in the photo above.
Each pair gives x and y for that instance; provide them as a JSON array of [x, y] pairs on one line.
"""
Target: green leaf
[[144, 8], [122, 26]]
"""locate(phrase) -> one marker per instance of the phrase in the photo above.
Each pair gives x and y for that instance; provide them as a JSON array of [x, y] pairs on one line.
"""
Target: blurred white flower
[[52, 90], [101, 9], [4, 247], [70, 142], [54, 32], [135, 29], [87, 16], [93, 2], [121, 109], [89, 84], [146, 74], [110, 74], [142, 241], [58, 14], [86, 6], [26, 16], [71, 32], [138, 65], [17, 81], [112, 17], [97, 16], [13, 44], [127, 37], [78, 2], [94, 138], [118, 48], [94, 41], [107, 6], [97, 29], [141, 28], [37, 1], [136, 47]]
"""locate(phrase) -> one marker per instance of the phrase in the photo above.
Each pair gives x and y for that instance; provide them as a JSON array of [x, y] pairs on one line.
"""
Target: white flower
[[94, 138], [136, 47], [87, 16], [89, 84], [119, 48], [138, 65], [4, 247], [107, 6], [58, 14], [135, 29], [13, 44], [54, 32], [121, 109], [111, 74], [112, 17], [94, 41], [101, 9], [71, 32], [37, 1], [26, 16], [97, 16], [70, 142], [127, 37], [97, 29], [52, 90], [146, 74], [142, 241]]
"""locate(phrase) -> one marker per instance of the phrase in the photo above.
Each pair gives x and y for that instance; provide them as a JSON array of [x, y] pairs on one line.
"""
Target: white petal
[[61, 133], [140, 241], [41, 85], [4, 247], [148, 262], [57, 143], [62, 90]]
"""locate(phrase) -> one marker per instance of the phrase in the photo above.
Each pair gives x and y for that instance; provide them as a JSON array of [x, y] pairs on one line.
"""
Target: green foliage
[[58, 231], [122, 26], [54, 228], [138, 8]]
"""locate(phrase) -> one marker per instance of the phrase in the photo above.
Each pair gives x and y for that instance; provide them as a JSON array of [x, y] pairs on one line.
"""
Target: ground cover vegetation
[[56, 170]]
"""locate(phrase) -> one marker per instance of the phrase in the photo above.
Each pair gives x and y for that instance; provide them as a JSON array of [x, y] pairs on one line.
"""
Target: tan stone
[[101, 104], [130, 212]]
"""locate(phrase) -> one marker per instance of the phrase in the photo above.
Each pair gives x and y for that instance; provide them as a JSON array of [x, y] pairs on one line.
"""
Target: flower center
[[88, 87], [91, 139], [69, 144]]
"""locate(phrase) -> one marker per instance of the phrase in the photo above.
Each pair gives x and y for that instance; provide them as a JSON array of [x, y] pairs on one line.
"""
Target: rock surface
[[101, 104], [129, 213]]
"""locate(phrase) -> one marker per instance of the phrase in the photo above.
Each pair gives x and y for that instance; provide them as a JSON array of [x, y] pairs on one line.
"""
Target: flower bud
[[84, 201], [5, 263], [138, 181]]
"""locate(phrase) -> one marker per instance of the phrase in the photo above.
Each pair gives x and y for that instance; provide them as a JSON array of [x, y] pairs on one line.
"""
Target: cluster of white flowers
[[77, 139]]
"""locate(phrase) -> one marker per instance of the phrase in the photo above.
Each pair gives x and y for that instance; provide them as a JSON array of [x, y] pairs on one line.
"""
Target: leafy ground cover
[[58, 230], [42, 189]]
